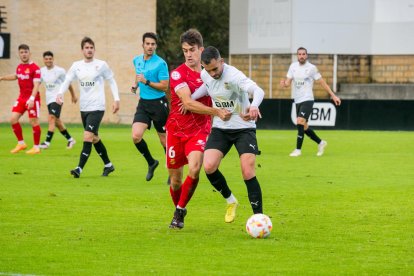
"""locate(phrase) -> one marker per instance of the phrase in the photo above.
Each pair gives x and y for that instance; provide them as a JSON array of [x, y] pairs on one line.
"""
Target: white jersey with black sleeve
[[91, 76], [302, 77], [53, 79], [231, 92]]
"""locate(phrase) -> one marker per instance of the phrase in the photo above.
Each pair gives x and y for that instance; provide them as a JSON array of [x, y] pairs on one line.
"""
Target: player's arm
[[115, 94], [200, 92], [30, 101], [109, 76], [284, 83], [189, 104], [325, 86], [163, 76], [161, 86], [72, 93], [62, 90], [247, 85], [135, 87], [10, 77], [70, 76], [258, 95]]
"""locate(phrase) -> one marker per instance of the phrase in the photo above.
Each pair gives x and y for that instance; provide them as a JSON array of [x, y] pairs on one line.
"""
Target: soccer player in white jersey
[[230, 89], [91, 73], [53, 76], [303, 74]]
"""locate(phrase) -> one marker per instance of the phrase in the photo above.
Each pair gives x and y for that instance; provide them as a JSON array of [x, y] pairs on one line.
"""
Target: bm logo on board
[[323, 114]]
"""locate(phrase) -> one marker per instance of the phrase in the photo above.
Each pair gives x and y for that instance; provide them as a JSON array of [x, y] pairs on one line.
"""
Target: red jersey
[[189, 124], [26, 74]]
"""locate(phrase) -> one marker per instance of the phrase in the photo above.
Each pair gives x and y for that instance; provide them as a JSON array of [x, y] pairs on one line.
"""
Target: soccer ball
[[259, 226]]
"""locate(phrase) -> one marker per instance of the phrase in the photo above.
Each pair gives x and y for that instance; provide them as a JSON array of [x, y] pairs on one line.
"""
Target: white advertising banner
[[323, 114]]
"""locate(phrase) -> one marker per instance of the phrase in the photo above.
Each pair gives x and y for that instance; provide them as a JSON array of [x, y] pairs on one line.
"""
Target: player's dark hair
[[302, 48], [150, 35], [192, 37], [210, 53], [87, 40], [23, 47], [48, 54]]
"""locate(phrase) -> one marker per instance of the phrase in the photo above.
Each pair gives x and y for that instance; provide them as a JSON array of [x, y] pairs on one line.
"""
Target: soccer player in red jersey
[[187, 132], [28, 77]]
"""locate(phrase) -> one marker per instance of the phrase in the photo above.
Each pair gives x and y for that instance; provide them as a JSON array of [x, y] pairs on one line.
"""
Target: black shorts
[[155, 111], [54, 109], [304, 109], [223, 139], [91, 120]]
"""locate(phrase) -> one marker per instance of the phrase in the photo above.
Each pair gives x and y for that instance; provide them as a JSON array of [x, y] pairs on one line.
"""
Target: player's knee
[[248, 170], [209, 167], [136, 137], [175, 183], [301, 121], [248, 174], [194, 170], [95, 139], [34, 121], [88, 136]]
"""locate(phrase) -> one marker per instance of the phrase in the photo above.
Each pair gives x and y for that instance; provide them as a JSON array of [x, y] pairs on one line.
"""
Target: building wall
[[268, 78], [357, 69], [392, 69], [354, 69], [116, 26]]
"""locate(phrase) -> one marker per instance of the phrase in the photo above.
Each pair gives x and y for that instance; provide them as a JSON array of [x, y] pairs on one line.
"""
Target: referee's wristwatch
[[147, 83]]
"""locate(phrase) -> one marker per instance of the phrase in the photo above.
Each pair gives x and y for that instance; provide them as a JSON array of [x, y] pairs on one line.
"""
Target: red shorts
[[21, 107], [178, 148]]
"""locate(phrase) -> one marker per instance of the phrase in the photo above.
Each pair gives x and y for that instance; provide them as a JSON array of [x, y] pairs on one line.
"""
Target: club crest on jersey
[[175, 75], [226, 86], [27, 71]]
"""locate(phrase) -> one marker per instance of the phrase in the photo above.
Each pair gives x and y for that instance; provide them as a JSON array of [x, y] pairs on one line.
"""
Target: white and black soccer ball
[[259, 226]]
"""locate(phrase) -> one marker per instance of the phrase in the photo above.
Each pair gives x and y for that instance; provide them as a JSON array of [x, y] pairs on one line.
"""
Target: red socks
[[36, 135], [17, 129], [188, 189], [175, 195]]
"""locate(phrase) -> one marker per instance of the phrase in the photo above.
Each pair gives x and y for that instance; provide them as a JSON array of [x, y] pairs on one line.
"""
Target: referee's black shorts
[[155, 111]]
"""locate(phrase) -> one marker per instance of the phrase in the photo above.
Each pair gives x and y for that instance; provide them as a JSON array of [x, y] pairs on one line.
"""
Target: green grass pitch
[[349, 212]]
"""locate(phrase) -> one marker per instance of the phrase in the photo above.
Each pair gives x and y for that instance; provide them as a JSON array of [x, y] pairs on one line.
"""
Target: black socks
[[219, 183], [254, 193], [143, 149]]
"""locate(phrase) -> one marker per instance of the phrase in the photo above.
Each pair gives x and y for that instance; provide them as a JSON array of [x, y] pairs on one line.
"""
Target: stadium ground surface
[[350, 211]]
